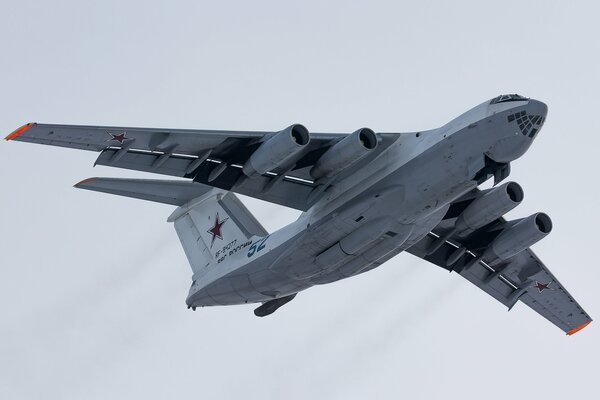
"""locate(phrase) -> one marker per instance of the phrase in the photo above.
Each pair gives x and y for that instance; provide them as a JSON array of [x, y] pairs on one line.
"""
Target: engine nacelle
[[345, 153], [277, 150], [489, 207], [518, 237]]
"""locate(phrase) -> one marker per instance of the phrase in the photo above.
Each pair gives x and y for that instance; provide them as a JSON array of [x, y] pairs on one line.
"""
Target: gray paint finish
[[89, 313], [381, 204]]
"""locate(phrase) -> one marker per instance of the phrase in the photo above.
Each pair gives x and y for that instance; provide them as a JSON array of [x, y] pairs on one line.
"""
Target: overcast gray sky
[[92, 287]]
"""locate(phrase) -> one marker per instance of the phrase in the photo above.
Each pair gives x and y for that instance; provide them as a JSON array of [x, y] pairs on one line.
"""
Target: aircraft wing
[[523, 277], [196, 154]]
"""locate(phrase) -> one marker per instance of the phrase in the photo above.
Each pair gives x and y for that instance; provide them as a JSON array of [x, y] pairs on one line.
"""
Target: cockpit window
[[507, 97], [528, 124]]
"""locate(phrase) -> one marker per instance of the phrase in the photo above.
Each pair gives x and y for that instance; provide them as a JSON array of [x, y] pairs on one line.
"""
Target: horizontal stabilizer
[[161, 191]]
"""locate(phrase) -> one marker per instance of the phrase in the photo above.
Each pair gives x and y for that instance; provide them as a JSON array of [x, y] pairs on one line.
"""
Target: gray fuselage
[[372, 215]]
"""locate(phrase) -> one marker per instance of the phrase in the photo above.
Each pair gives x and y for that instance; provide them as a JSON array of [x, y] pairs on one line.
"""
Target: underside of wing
[[98, 138], [475, 241], [291, 167]]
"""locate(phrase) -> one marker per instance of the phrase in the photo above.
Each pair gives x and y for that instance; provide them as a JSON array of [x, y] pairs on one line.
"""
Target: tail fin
[[209, 223], [206, 220]]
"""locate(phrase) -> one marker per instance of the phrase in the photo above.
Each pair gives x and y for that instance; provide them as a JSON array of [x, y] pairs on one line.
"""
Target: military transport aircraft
[[365, 197]]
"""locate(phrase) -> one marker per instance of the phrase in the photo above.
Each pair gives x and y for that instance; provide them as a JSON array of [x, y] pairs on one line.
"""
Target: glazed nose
[[531, 119], [536, 107]]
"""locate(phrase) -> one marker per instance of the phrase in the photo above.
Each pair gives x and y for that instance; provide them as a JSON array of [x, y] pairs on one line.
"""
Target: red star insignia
[[215, 231], [542, 286], [120, 137]]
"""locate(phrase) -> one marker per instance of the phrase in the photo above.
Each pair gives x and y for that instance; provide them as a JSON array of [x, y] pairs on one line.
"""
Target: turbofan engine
[[490, 206], [520, 235], [277, 150], [345, 153]]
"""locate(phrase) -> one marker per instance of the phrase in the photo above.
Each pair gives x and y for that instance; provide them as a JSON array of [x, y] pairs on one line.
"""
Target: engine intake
[[487, 208], [519, 236], [277, 150], [345, 153]]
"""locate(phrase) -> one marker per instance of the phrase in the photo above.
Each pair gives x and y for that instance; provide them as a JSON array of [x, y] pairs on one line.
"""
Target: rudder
[[207, 224]]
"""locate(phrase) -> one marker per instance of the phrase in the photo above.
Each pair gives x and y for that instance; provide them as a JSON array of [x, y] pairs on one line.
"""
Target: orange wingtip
[[19, 131], [580, 327], [83, 182]]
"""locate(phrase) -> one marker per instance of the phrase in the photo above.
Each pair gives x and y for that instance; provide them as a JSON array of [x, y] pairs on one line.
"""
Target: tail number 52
[[257, 246]]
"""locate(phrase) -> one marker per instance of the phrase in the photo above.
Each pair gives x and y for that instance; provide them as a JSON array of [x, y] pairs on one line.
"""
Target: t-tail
[[213, 229], [212, 224]]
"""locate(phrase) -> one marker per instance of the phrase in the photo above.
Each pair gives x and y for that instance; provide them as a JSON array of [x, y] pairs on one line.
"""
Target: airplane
[[364, 197]]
